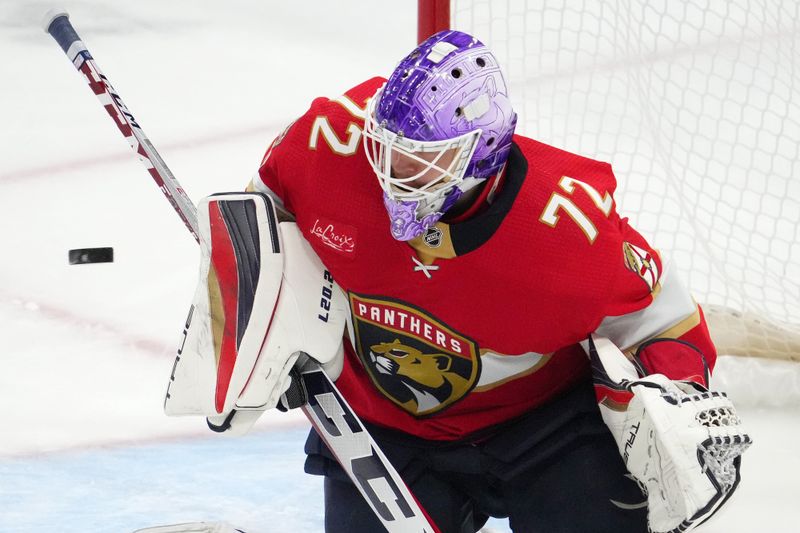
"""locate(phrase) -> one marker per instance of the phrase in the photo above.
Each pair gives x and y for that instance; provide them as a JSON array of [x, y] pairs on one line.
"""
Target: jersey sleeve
[[283, 161], [328, 132], [652, 316]]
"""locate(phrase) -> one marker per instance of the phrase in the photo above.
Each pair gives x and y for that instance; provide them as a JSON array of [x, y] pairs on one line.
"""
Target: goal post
[[697, 106], [432, 16]]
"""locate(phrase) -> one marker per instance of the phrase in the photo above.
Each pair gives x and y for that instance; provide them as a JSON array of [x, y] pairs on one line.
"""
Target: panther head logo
[[427, 381]]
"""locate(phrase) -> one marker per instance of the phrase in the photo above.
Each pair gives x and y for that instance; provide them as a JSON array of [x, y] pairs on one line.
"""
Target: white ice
[[86, 351]]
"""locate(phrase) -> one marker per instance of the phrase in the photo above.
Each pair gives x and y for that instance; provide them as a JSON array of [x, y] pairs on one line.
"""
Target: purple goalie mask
[[446, 96]]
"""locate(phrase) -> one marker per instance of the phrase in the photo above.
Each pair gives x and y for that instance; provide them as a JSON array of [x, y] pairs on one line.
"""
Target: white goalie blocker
[[682, 443], [263, 300]]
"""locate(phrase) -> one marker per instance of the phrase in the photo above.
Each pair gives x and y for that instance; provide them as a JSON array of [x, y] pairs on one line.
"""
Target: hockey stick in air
[[326, 409], [56, 23]]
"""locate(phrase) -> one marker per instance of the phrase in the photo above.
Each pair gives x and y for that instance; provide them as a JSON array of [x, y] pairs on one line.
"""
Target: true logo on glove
[[631, 439]]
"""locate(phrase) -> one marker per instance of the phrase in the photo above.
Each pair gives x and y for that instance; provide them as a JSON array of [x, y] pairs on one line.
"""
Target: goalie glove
[[681, 442], [263, 303]]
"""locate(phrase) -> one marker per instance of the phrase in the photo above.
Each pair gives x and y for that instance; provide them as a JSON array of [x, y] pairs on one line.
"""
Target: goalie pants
[[555, 470]]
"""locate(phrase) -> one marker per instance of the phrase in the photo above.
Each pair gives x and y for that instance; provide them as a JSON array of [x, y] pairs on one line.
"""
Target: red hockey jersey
[[477, 322]]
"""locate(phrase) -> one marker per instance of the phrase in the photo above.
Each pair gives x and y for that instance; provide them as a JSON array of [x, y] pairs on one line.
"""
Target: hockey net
[[697, 106]]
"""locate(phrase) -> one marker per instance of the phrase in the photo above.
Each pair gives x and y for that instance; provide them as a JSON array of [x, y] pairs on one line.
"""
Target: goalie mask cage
[[697, 106]]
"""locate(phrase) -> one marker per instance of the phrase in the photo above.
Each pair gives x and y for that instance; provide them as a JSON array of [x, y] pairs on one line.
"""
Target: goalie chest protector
[[473, 323]]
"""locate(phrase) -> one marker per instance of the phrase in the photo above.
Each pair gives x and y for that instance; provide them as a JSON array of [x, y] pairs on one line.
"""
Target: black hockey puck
[[82, 256]]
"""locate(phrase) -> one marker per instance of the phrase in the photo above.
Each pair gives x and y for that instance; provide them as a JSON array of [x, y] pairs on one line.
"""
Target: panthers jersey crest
[[415, 360]]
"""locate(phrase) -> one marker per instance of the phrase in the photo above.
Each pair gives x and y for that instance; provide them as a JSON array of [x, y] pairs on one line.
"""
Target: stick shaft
[[57, 24], [360, 456]]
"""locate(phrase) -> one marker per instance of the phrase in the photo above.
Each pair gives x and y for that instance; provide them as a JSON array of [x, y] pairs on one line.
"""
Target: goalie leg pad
[[264, 300], [241, 271]]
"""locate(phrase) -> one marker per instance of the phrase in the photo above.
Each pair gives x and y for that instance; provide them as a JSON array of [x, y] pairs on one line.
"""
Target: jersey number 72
[[550, 214]]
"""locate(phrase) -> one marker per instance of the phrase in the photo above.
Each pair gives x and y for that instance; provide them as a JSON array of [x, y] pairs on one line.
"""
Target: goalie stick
[[326, 409]]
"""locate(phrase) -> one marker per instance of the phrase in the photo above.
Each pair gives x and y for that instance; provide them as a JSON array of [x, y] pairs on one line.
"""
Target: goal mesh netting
[[696, 105]]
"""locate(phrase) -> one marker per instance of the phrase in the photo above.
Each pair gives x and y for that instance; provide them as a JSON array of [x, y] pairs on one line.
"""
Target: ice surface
[[86, 350]]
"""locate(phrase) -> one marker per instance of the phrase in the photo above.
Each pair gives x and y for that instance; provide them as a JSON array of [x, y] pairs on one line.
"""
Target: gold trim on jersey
[[614, 405], [537, 362], [673, 332], [656, 290], [428, 254], [352, 107]]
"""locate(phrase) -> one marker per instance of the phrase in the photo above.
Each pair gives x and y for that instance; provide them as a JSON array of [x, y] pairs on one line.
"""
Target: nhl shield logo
[[433, 237], [416, 361]]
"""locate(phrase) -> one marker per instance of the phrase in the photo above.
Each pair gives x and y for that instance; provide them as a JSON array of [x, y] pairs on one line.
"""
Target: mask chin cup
[[404, 219]]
